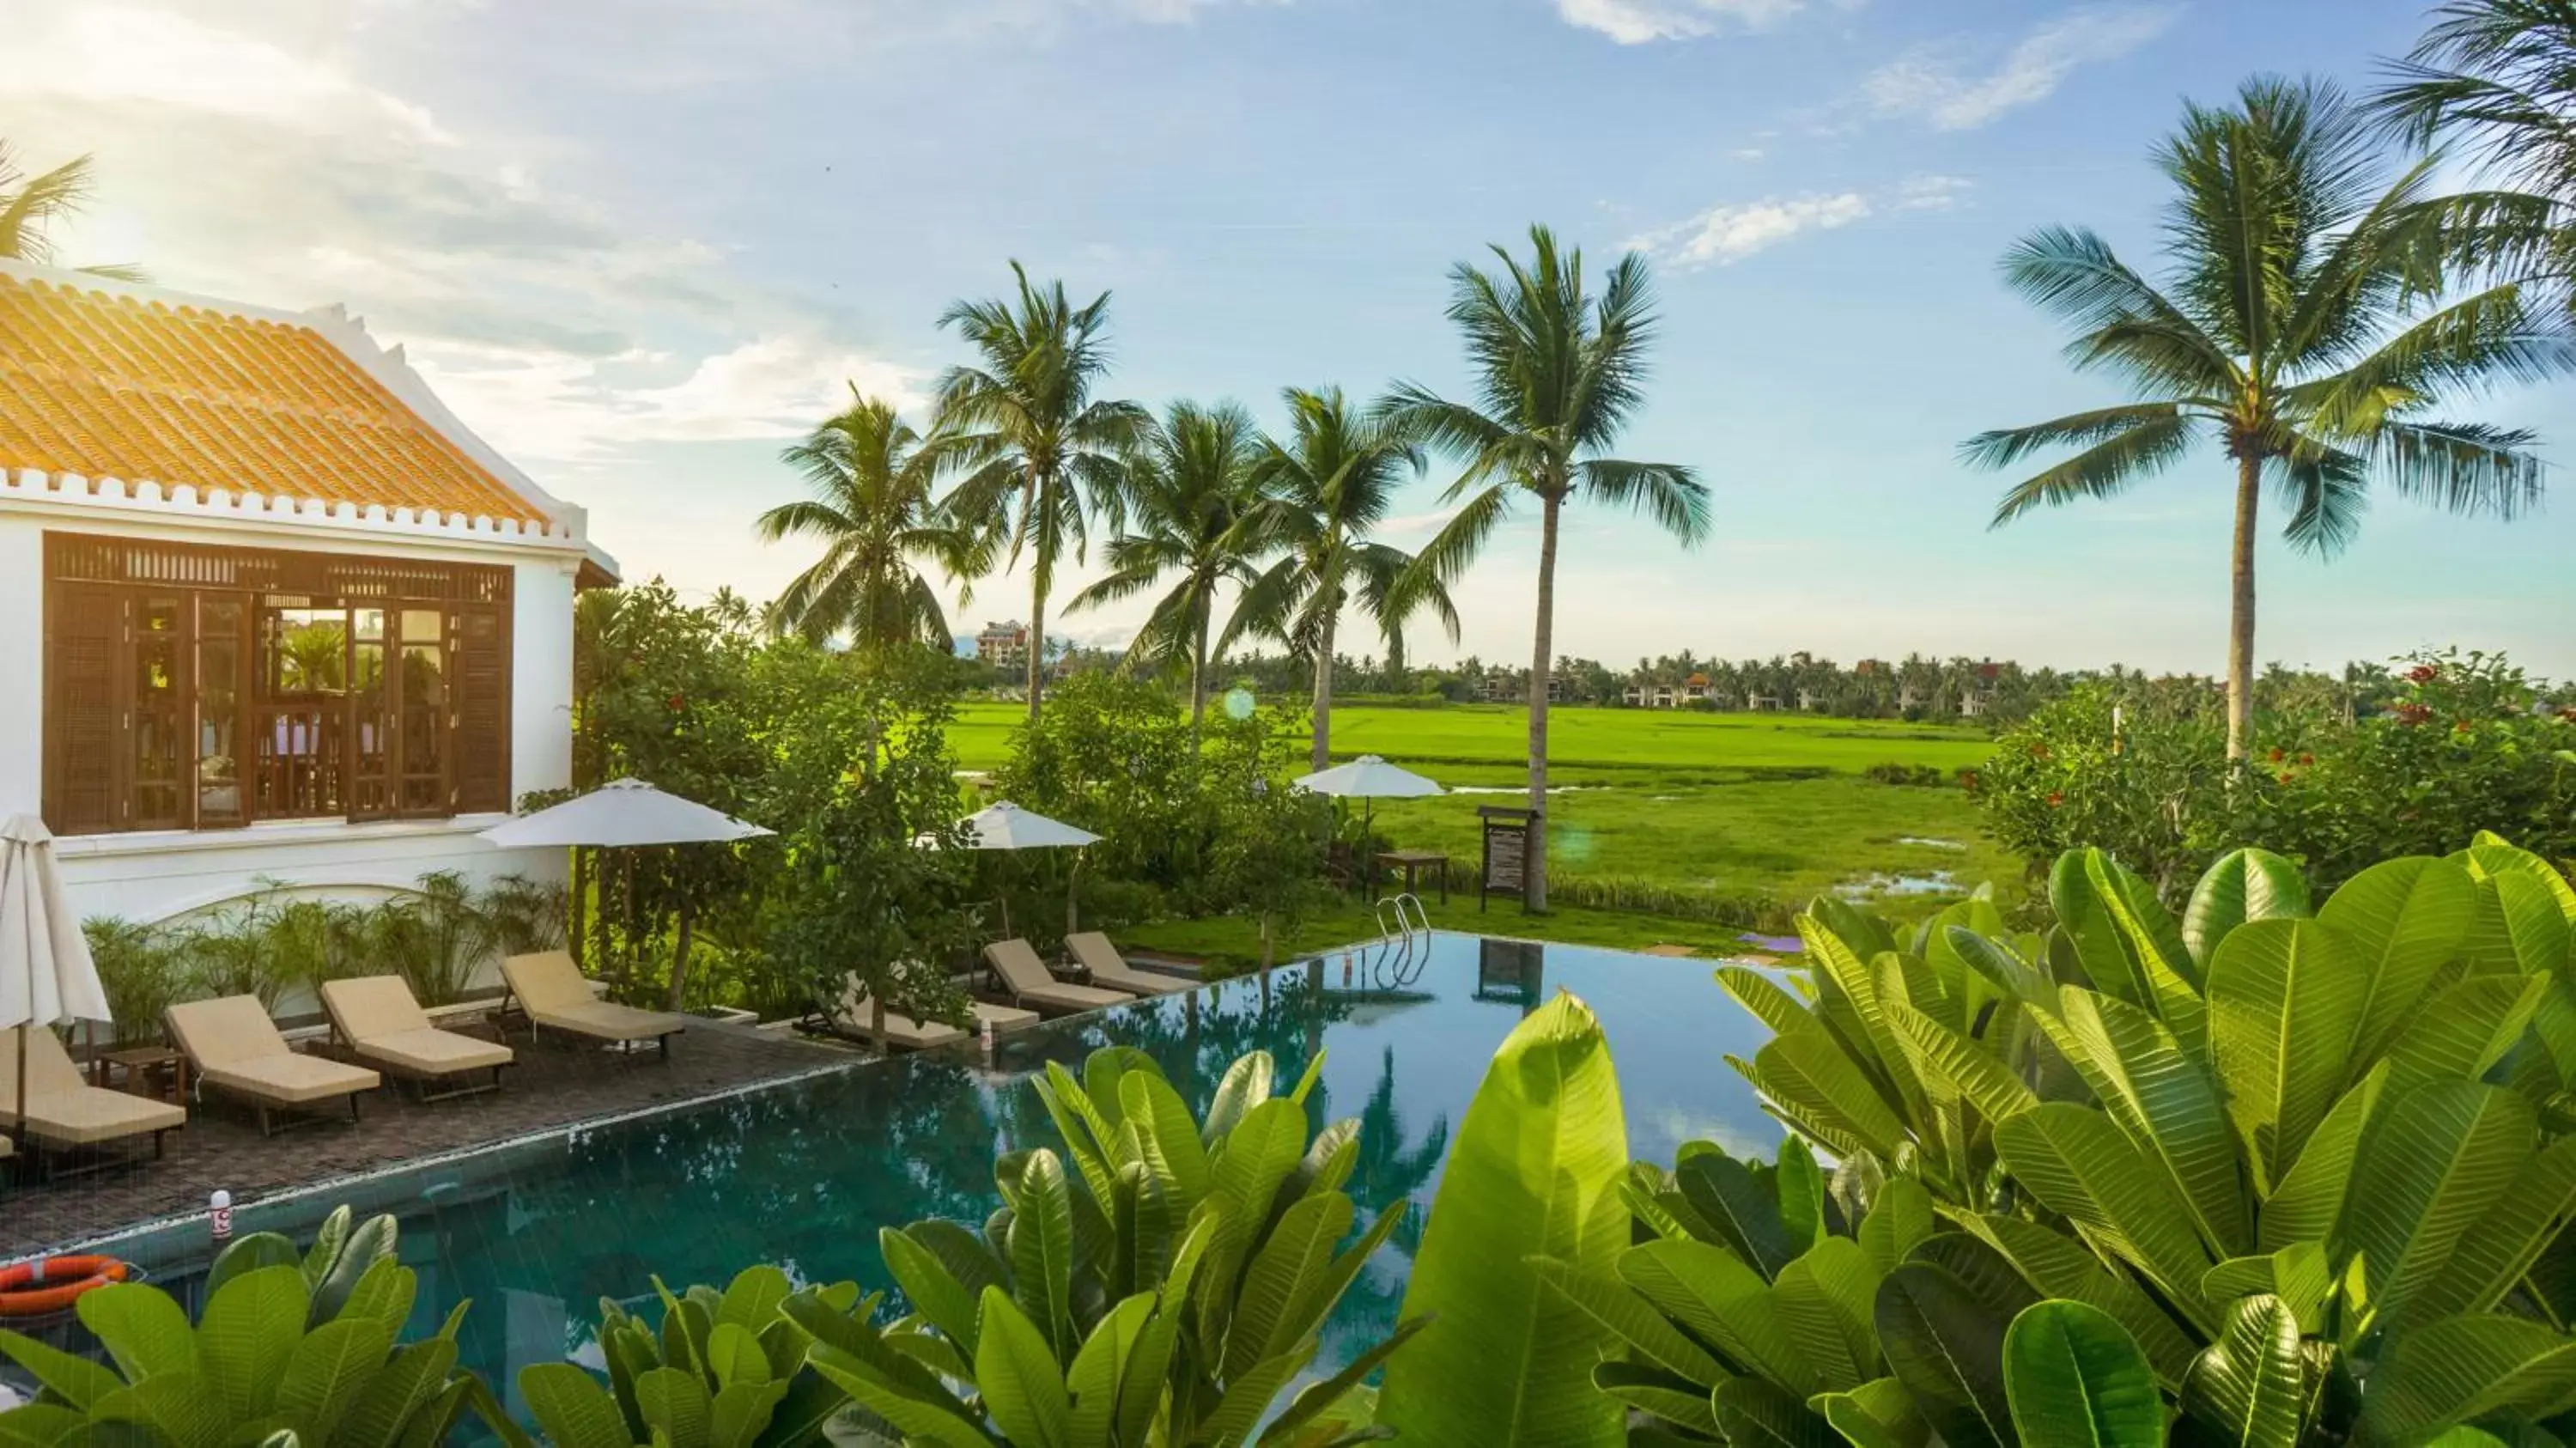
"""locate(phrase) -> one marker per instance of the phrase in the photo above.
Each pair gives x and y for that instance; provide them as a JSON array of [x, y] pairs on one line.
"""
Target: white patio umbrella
[[620, 814], [1368, 778], [1006, 826], [47, 977], [627, 814]]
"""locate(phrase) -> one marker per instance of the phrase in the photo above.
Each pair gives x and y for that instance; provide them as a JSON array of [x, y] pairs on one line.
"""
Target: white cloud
[[1636, 22], [1941, 85], [235, 165], [1723, 235]]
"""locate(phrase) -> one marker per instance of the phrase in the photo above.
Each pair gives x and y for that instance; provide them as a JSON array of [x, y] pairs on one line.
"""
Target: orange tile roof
[[107, 386]]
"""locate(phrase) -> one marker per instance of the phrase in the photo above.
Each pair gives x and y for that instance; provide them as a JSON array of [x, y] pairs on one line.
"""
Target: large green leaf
[[2534, 920], [2164, 1098], [2464, 1368], [1828, 1300], [571, 1408], [2076, 1377], [1744, 1207], [1810, 1080], [1723, 1302], [1016, 1370], [1947, 1346], [2498, 1248], [74, 1379], [1629, 1317], [328, 1369], [1298, 1254], [1534, 1172], [2077, 1163], [1169, 1135], [934, 1291], [1754, 1414], [2463, 1031], [1041, 1243], [142, 1328], [2285, 1002], [2057, 1266], [2405, 919], [248, 1332], [1877, 1414], [2239, 886], [2309, 1200], [2429, 1169], [2250, 1387]]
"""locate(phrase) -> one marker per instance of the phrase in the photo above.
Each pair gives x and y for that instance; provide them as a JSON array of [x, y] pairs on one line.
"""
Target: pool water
[[803, 1174]]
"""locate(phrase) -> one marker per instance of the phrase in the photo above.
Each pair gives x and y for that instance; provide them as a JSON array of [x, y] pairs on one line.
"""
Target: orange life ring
[[50, 1284]]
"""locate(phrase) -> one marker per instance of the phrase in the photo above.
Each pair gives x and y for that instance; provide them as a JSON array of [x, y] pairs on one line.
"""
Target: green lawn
[[1724, 805]]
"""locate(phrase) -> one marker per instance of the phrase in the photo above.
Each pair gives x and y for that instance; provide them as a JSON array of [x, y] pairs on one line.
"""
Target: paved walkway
[[549, 1086]]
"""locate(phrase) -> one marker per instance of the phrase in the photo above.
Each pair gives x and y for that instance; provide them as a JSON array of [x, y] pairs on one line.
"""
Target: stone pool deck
[[549, 1086]]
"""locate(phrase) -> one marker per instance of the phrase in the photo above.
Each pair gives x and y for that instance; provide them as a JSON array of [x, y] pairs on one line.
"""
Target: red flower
[[2424, 673], [2306, 760], [2039, 751], [2054, 800], [2285, 776], [2276, 756], [677, 702], [2413, 713], [2462, 727]]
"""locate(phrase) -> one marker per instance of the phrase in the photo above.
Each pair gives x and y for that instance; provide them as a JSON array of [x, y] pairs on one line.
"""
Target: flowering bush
[[2458, 747]]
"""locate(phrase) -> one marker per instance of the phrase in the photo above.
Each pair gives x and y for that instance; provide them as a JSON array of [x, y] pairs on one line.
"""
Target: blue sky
[[637, 244]]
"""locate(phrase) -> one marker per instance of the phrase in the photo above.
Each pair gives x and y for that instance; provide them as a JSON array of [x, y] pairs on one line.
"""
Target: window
[[204, 688]]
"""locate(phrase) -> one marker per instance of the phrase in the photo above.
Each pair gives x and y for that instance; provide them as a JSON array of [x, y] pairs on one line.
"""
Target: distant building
[[1809, 701], [1004, 645], [1762, 703]]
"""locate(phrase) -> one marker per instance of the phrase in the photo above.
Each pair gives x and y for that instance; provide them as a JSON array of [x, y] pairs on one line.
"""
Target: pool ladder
[[1396, 964]]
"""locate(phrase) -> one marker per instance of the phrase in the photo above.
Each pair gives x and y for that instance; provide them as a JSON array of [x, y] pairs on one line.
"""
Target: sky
[[641, 244]]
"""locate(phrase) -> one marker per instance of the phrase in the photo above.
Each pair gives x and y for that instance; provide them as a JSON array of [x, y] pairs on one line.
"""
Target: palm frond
[[2466, 468], [2103, 470], [2004, 447], [1670, 494]]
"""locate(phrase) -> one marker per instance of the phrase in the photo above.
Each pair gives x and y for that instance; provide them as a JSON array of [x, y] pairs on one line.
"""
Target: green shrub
[[142, 969], [2455, 743], [1920, 776]]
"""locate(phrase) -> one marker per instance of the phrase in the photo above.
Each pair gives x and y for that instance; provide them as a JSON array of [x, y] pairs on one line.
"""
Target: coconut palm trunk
[[1198, 678], [1324, 691], [1542, 653], [1037, 639], [2240, 614]]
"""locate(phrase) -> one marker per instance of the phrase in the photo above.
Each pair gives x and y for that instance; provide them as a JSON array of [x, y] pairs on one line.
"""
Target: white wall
[[152, 876], [22, 665], [541, 676]]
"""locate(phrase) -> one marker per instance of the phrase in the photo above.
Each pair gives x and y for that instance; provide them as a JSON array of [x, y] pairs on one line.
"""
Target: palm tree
[[29, 204], [1039, 455], [1191, 496], [1559, 375], [2501, 75], [1324, 492], [872, 480], [2292, 330]]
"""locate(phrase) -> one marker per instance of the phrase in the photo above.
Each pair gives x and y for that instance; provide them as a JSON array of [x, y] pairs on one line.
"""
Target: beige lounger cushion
[[65, 1110], [234, 1045], [902, 1030], [552, 990], [1094, 953], [381, 1021], [1027, 978]]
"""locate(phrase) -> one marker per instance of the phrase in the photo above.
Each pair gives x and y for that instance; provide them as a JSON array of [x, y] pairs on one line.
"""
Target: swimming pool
[[803, 1174]]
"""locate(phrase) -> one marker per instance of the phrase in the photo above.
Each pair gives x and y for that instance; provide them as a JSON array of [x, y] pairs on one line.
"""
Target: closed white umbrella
[[47, 977], [623, 813]]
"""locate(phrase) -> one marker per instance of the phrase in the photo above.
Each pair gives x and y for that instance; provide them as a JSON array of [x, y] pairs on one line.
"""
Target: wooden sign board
[[1506, 866]]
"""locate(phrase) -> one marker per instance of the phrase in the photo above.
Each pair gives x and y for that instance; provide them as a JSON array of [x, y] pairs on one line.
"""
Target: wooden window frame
[[120, 573]]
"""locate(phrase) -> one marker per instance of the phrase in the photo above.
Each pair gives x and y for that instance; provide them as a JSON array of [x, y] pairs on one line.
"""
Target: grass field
[[1655, 805]]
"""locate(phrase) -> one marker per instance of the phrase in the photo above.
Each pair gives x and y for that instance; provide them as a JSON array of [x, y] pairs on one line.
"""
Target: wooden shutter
[[84, 708], [479, 681]]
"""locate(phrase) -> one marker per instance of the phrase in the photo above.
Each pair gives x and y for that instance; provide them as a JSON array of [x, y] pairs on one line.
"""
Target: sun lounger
[[65, 1112], [556, 996], [1092, 951], [1031, 984], [855, 1021], [381, 1023], [234, 1047]]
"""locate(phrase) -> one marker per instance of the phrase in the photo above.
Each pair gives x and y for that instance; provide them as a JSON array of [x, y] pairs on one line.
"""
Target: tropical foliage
[[873, 508], [2299, 328], [1191, 503], [30, 204], [290, 1348], [1038, 452], [2452, 743], [1325, 491], [1560, 373]]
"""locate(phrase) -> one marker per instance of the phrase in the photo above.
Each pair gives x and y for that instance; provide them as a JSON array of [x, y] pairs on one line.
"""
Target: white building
[[268, 613]]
